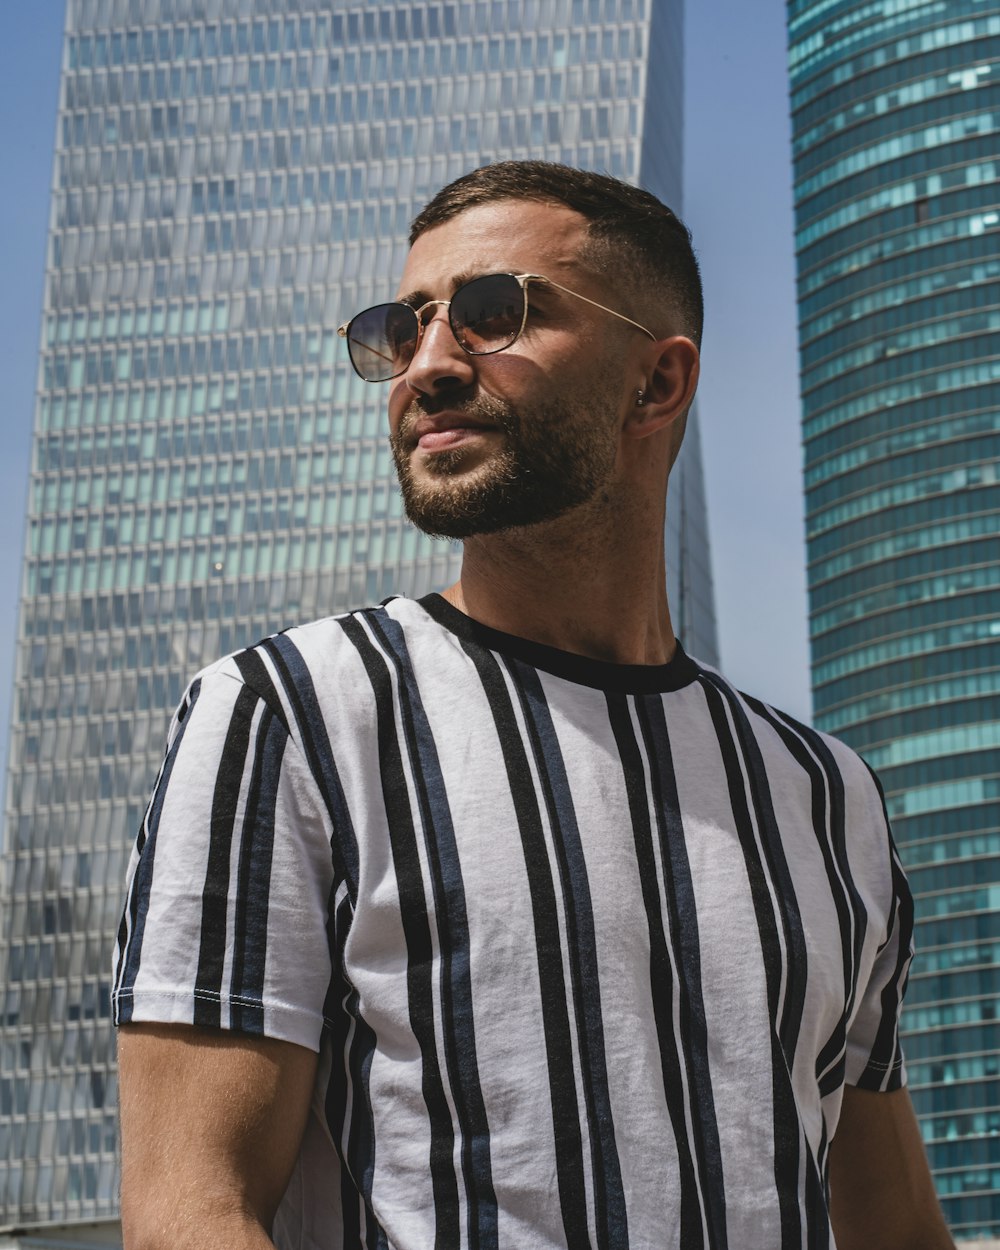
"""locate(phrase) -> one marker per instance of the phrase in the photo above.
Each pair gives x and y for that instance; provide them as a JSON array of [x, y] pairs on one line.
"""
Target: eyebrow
[[416, 299]]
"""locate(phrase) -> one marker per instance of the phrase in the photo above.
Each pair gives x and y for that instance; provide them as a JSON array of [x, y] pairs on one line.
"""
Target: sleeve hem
[[280, 1021], [879, 1077]]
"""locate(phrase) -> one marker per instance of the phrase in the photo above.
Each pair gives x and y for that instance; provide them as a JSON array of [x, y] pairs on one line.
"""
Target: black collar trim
[[678, 672]]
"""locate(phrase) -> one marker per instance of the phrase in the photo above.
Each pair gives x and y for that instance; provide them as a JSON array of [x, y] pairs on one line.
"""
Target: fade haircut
[[631, 236]]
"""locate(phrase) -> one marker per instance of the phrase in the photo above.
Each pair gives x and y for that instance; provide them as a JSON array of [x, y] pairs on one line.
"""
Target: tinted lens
[[381, 341], [487, 313]]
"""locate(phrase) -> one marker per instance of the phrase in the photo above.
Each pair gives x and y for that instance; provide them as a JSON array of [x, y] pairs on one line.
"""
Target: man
[[495, 919]]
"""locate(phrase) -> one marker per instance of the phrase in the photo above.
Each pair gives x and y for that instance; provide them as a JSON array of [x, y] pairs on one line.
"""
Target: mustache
[[431, 405], [482, 407]]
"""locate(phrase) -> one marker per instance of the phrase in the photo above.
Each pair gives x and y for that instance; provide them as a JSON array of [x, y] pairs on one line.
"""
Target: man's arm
[[881, 1192], [211, 1128]]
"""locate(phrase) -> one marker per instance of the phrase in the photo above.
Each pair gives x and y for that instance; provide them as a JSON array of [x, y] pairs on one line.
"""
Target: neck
[[597, 591]]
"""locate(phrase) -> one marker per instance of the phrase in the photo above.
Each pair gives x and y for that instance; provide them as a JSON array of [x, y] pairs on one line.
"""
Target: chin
[[449, 463], [485, 507]]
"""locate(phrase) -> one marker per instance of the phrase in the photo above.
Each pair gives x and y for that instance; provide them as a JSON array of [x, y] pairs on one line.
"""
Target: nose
[[439, 363]]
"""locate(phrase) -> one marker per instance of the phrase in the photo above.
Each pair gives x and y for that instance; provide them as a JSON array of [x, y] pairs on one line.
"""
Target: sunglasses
[[486, 315]]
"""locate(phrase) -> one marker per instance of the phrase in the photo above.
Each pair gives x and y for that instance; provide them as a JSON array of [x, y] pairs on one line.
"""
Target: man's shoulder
[[308, 658], [802, 742]]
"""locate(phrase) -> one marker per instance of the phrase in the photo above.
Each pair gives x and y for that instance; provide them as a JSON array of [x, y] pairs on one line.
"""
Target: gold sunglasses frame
[[522, 279]]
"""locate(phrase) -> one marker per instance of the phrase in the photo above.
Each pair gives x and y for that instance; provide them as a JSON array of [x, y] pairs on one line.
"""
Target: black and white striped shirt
[[588, 951]]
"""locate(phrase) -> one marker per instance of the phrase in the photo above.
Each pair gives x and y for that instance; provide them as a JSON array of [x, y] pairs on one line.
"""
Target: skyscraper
[[232, 179], [896, 123]]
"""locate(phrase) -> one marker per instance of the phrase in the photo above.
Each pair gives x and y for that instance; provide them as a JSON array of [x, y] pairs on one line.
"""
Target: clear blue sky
[[738, 204]]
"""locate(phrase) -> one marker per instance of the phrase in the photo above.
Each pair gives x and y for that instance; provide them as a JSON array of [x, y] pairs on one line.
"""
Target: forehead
[[510, 236]]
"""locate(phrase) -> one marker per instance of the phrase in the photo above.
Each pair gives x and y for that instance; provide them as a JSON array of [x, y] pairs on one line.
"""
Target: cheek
[[398, 401]]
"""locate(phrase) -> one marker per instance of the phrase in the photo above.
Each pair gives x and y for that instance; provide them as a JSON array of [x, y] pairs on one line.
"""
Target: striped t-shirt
[[588, 951]]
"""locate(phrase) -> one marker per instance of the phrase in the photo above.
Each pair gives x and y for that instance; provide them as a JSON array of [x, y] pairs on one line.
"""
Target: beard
[[549, 463]]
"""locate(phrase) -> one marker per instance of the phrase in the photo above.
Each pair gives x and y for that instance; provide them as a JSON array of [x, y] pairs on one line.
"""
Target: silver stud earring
[[640, 398]]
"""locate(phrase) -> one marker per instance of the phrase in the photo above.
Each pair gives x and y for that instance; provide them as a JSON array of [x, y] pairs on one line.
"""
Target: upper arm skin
[[881, 1192], [211, 1127]]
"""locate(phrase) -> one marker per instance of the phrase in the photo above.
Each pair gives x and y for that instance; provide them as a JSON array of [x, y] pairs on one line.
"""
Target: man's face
[[489, 443]]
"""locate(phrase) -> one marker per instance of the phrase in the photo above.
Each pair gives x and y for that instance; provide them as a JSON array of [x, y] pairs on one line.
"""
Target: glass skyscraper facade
[[233, 178], [896, 130]]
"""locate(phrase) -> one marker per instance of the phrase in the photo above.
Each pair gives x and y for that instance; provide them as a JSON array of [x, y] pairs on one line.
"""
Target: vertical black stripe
[[451, 918], [215, 891], [661, 976], [828, 811], [417, 934], [817, 1205], [132, 927], [807, 746], [555, 1014], [609, 1196], [297, 683], [783, 953], [254, 673], [352, 1040], [884, 1065], [254, 878], [887, 1052], [684, 938], [352, 1048]]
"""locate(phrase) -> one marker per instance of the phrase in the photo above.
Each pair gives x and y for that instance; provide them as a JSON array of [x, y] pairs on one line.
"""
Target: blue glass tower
[[896, 123], [232, 179]]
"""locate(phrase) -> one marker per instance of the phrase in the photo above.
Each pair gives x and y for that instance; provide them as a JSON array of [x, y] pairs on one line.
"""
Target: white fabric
[[515, 1087]]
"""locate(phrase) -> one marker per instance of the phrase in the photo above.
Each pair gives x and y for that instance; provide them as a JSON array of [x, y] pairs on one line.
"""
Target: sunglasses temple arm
[[595, 304]]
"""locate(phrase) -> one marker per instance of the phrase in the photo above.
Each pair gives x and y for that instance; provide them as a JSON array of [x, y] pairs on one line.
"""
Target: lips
[[445, 430]]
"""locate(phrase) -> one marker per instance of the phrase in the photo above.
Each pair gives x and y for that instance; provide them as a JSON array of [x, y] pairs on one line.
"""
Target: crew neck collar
[[679, 671]]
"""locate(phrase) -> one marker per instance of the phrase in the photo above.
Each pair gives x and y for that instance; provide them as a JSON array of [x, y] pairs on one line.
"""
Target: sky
[[737, 202]]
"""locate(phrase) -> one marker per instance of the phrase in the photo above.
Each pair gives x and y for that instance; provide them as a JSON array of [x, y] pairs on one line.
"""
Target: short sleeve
[[874, 1053], [226, 914]]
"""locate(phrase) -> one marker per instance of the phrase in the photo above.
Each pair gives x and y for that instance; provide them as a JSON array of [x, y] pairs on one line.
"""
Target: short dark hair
[[631, 233]]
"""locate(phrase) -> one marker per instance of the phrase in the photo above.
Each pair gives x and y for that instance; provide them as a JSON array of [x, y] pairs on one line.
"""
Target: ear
[[671, 379]]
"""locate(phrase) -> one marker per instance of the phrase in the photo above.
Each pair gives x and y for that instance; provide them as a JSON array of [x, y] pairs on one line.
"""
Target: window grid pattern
[[232, 179], [895, 131]]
